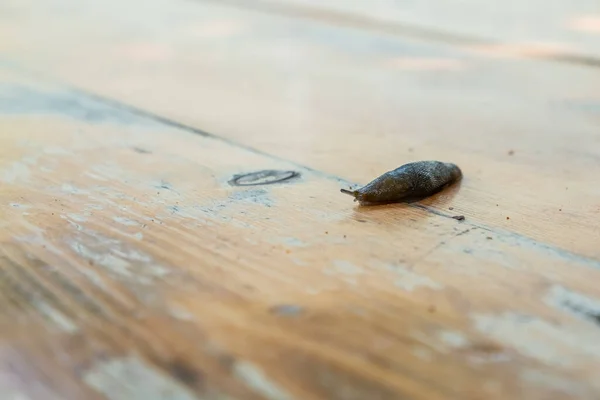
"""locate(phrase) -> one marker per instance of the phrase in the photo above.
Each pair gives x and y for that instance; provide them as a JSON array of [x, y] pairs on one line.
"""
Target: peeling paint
[[124, 262], [577, 304], [132, 379], [94, 277], [257, 380], [551, 344], [70, 189], [95, 176], [59, 319], [290, 241], [408, 280], [453, 339], [552, 382], [258, 196], [17, 172], [21, 206], [77, 217], [109, 261], [180, 313], [125, 221], [346, 268]]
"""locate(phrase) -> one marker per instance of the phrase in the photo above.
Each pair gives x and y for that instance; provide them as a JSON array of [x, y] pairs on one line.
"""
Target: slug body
[[414, 180]]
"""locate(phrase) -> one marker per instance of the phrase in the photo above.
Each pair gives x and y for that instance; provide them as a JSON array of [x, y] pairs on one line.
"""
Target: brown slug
[[410, 181]]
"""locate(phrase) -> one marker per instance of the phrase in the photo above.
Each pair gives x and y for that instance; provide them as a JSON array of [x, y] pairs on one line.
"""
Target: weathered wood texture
[[346, 102], [132, 269]]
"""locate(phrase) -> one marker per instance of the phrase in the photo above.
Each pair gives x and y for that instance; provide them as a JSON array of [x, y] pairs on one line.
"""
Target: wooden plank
[[350, 103], [561, 29], [131, 266]]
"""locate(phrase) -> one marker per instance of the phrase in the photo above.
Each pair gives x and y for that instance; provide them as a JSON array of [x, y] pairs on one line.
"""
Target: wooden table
[[134, 267]]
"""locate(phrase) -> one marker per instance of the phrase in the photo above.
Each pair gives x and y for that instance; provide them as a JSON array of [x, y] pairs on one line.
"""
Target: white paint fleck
[[180, 313], [409, 281], [68, 188], [77, 217], [93, 277], [138, 236], [95, 176], [552, 381], [106, 171], [125, 221], [132, 379], [429, 341], [351, 280], [551, 344], [453, 339], [107, 260], [61, 321], [291, 241], [20, 206], [72, 223], [17, 172], [257, 380], [347, 268], [572, 302]]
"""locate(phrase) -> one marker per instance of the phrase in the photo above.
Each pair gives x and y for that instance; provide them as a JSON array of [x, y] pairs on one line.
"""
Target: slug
[[410, 181]]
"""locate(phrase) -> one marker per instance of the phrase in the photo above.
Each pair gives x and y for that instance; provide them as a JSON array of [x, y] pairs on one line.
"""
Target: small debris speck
[[507, 217], [560, 209], [459, 217], [489, 238], [511, 152], [450, 208]]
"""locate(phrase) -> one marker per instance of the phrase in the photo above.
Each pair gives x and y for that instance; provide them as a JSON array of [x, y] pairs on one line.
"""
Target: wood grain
[[129, 259], [131, 267], [346, 102]]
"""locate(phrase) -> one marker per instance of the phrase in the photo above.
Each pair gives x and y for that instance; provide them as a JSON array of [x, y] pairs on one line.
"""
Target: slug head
[[386, 188], [353, 193]]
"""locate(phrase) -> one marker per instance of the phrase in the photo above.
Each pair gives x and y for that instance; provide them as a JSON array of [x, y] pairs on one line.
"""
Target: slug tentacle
[[413, 180]]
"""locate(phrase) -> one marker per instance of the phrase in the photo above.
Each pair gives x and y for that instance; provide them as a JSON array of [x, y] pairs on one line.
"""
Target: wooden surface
[[133, 269]]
